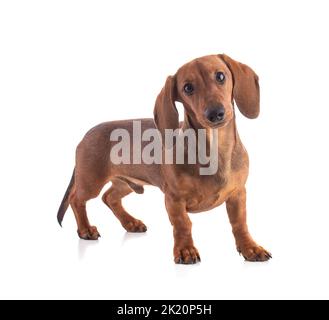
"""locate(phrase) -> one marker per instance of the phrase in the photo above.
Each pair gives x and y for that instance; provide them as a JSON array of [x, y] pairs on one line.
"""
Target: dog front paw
[[254, 253], [186, 255]]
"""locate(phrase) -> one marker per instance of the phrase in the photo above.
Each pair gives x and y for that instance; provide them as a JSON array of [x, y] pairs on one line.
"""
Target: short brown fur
[[185, 190]]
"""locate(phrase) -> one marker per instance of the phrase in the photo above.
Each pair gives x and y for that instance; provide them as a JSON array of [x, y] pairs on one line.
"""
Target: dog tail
[[65, 202]]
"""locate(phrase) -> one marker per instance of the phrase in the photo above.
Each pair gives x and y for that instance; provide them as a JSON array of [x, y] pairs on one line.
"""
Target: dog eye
[[188, 88], [220, 77]]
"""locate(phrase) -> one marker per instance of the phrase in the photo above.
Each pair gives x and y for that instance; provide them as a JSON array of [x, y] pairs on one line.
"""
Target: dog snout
[[215, 114]]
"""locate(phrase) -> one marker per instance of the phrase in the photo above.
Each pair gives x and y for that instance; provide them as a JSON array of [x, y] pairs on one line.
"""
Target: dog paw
[[254, 253], [186, 255], [89, 234], [135, 226]]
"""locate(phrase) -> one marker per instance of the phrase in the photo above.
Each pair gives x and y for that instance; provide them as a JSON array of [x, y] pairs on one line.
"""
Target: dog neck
[[227, 137]]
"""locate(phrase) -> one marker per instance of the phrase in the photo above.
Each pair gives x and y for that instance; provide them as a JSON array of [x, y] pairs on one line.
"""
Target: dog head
[[207, 87]]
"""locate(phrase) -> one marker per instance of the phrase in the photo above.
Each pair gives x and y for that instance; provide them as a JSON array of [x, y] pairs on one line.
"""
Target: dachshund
[[208, 87]]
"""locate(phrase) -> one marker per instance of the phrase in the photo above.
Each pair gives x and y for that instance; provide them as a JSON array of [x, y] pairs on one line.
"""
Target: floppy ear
[[245, 87], [165, 112]]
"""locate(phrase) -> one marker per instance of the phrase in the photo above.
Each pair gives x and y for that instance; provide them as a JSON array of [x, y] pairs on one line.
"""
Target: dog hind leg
[[85, 230], [113, 199]]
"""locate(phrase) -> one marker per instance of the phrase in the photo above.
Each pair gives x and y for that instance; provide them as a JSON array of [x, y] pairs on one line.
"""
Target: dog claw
[[179, 260], [269, 255], [196, 260]]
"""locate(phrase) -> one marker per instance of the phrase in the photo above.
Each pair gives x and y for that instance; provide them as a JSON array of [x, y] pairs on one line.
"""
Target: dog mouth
[[217, 125]]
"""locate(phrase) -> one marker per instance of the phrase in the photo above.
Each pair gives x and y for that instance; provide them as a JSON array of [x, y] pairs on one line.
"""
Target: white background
[[68, 65]]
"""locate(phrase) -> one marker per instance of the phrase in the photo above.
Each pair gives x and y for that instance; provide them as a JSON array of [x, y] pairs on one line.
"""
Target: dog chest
[[206, 196]]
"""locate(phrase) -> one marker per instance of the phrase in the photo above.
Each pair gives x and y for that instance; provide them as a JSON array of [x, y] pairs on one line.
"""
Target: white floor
[[41, 260]]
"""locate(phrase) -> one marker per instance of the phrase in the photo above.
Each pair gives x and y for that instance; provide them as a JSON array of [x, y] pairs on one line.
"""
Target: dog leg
[[236, 209], [184, 250], [113, 199], [85, 230]]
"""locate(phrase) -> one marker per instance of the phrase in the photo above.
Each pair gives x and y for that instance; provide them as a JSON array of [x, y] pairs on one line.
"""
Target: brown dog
[[206, 87]]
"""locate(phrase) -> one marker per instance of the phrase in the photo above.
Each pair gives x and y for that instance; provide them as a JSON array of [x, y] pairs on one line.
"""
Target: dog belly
[[196, 205]]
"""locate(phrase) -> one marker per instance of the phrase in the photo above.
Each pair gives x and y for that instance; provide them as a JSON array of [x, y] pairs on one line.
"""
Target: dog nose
[[215, 114]]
